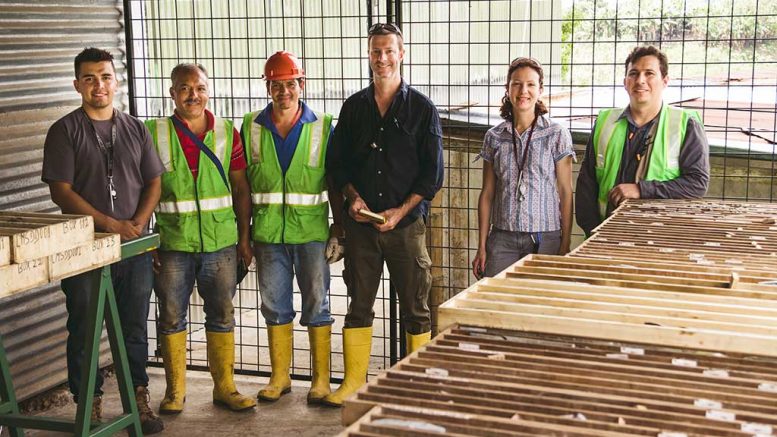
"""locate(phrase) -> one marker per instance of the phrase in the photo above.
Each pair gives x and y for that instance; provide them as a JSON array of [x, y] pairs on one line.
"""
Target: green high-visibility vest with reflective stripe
[[194, 215], [294, 208], [610, 139]]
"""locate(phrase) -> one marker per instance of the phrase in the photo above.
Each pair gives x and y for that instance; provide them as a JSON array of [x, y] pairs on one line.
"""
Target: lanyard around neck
[[106, 150], [525, 155]]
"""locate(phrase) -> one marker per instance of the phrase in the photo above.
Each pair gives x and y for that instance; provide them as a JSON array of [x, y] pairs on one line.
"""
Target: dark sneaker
[[150, 423]]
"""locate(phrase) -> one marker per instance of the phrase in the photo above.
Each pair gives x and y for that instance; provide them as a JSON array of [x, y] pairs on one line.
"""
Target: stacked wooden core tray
[[492, 382], [724, 234], [37, 248], [663, 323], [684, 306]]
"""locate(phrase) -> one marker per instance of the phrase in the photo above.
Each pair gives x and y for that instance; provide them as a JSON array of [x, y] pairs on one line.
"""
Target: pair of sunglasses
[[384, 29], [526, 61]]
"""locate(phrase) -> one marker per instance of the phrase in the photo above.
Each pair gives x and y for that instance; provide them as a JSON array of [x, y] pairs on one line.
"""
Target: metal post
[[130, 55], [8, 403]]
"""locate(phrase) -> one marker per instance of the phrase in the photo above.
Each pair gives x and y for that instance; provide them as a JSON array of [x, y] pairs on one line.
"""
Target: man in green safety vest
[[647, 150], [203, 220], [286, 145]]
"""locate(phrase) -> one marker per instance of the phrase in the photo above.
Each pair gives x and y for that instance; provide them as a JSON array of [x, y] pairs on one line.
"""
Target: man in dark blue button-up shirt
[[386, 158]]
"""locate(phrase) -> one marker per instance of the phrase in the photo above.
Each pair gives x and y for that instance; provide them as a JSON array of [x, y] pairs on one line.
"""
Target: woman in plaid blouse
[[525, 203]]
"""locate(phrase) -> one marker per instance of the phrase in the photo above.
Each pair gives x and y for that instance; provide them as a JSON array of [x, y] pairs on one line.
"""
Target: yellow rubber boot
[[221, 360], [414, 342], [281, 341], [320, 345], [174, 358], [357, 343]]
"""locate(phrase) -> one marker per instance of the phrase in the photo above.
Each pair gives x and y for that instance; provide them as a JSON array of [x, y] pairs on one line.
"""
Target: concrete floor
[[290, 416]]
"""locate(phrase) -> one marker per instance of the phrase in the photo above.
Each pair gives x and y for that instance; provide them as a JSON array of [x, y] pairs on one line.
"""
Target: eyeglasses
[[384, 29]]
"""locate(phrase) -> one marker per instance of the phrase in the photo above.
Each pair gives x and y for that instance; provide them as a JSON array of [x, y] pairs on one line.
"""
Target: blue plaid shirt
[[539, 211]]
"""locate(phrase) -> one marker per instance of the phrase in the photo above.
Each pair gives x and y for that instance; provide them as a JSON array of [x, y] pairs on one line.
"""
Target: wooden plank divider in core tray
[[484, 381], [37, 248]]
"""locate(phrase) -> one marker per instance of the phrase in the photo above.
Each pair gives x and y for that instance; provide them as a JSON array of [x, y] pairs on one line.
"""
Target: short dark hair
[[92, 54], [506, 110], [385, 29], [642, 51]]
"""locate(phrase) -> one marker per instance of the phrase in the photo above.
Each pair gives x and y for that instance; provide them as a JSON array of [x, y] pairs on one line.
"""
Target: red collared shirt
[[192, 152]]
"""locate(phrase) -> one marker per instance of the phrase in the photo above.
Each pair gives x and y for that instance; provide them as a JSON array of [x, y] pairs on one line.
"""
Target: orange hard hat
[[283, 65]]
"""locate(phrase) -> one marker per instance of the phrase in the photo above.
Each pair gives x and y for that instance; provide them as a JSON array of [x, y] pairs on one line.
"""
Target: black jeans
[[132, 283]]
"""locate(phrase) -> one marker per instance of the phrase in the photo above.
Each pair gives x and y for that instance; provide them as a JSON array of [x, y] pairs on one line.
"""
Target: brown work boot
[[97, 408], [150, 423]]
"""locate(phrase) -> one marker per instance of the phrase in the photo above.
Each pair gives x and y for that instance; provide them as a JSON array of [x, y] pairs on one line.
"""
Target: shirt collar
[[211, 120], [369, 93], [506, 126], [627, 115], [265, 117]]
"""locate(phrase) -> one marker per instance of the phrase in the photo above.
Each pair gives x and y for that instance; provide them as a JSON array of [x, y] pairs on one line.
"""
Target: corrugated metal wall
[[38, 41]]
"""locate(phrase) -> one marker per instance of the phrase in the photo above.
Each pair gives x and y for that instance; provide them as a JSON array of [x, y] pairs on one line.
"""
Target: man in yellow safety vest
[[646, 150]]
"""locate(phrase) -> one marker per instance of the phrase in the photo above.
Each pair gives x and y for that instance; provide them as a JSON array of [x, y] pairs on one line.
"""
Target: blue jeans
[[276, 265], [132, 280], [215, 273]]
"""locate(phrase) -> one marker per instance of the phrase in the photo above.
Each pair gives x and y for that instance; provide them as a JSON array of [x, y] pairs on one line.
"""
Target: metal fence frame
[[457, 53]]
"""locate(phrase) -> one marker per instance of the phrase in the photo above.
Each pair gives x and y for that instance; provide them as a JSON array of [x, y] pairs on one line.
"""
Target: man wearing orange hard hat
[[286, 147]]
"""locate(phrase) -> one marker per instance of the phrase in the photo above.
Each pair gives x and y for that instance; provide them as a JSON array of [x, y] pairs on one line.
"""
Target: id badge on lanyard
[[522, 165], [107, 151]]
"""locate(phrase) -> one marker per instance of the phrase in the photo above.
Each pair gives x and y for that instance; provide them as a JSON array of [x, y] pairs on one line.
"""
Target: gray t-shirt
[[71, 154]]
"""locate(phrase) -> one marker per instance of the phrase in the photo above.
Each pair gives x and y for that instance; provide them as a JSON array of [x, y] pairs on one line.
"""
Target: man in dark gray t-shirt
[[101, 162], [73, 156]]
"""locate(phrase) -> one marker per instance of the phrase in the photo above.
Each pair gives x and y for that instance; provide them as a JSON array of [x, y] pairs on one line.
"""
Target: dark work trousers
[[404, 251], [132, 283]]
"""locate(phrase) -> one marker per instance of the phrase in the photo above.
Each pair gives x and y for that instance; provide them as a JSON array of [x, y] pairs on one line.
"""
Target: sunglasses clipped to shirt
[[384, 29]]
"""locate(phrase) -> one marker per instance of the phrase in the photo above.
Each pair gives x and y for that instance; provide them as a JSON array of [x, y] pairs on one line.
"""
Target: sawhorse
[[102, 307]]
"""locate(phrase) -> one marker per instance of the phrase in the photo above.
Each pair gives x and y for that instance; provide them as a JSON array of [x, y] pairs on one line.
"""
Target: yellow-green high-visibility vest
[[610, 139], [291, 208], [194, 215]]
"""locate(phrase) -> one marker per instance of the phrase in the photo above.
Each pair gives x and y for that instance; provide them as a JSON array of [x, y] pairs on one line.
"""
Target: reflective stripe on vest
[[256, 138], [187, 206], [674, 136], [604, 137], [163, 140], [220, 143], [291, 199], [316, 133]]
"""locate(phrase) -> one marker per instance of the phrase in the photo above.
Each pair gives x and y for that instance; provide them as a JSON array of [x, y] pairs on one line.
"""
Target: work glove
[[335, 246]]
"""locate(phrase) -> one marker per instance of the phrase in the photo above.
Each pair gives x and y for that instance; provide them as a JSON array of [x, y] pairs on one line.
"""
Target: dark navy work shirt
[[388, 158]]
